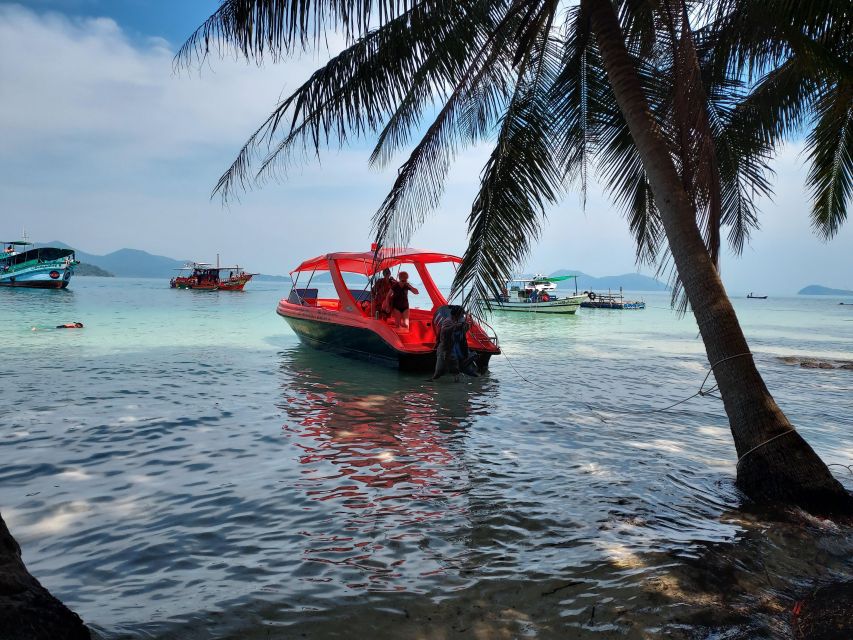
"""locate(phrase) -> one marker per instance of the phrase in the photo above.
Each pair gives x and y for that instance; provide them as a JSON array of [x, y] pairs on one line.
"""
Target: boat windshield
[[348, 281]]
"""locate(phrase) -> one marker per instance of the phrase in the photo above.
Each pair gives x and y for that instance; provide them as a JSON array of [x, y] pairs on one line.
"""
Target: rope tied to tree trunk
[[778, 435], [710, 392], [702, 391]]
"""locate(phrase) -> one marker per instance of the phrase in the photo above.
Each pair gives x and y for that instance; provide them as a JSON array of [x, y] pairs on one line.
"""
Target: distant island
[[819, 290], [628, 281], [85, 269]]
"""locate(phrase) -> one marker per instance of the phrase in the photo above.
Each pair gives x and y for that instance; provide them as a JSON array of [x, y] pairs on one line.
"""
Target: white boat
[[538, 295]]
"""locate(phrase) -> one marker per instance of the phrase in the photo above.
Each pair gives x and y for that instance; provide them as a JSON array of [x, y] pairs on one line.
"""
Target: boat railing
[[477, 327], [58, 262]]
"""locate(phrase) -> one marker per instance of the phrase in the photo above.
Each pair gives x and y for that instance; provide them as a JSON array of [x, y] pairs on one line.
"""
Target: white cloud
[[83, 79]]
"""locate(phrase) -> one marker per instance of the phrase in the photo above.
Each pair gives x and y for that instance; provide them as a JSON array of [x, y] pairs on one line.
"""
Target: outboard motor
[[466, 361], [442, 315]]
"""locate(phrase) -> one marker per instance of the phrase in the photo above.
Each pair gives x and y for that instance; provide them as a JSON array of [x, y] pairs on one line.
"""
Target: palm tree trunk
[[776, 463]]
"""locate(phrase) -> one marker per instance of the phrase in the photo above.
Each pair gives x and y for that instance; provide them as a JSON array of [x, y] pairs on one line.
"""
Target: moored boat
[[349, 322], [538, 295], [36, 267], [206, 277], [610, 300]]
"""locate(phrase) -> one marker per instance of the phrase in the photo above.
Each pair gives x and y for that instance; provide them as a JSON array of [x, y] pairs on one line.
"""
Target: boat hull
[[360, 341], [232, 284], [605, 304], [562, 306], [43, 276]]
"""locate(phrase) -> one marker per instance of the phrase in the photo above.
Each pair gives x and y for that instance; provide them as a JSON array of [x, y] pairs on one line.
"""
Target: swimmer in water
[[70, 325]]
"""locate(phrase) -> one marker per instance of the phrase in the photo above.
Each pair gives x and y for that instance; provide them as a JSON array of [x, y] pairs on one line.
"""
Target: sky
[[104, 145]]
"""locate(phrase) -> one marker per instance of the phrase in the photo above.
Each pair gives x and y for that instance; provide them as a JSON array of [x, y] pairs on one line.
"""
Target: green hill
[[628, 281], [85, 269]]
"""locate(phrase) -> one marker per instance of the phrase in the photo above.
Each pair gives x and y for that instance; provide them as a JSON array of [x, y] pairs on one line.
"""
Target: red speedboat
[[346, 321]]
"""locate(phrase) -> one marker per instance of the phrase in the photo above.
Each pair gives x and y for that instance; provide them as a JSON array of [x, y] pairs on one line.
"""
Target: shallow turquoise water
[[183, 467]]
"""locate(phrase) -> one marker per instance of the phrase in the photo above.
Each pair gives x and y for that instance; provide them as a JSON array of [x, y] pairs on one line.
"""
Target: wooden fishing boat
[[349, 322], [610, 300], [24, 265], [538, 295], [206, 277]]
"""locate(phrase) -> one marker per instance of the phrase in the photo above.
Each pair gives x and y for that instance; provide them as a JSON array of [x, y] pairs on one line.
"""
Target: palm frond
[[830, 152], [355, 92], [271, 29], [473, 107], [440, 69], [520, 178], [419, 185], [574, 96]]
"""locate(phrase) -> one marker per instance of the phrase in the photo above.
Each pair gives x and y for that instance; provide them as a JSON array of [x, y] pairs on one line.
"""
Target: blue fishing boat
[[610, 300], [24, 265]]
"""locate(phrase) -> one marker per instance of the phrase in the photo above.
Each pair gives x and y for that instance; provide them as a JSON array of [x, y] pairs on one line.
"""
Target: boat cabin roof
[[552, 278], [368, 262], [16, 243], [190, 266], [41, 253]]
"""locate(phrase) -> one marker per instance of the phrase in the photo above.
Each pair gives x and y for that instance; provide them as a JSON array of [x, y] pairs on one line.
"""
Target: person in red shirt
[[379, 295]]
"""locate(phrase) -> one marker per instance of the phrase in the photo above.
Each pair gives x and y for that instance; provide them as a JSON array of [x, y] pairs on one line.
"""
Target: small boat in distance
[[206, 277], [610, 300], [348, 321], [752, 296], [42, 267], [538, 295]]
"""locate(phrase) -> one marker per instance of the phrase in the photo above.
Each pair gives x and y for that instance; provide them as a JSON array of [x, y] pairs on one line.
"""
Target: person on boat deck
[[379, 294], [400, 300]]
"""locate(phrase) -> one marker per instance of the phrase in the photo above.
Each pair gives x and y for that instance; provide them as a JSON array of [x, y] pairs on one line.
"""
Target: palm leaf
[[830, 152], [353, 93], [468, 114], [260, 29], [520, 178]]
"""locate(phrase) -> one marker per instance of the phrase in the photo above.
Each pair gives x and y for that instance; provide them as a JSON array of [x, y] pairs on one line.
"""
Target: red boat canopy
[[367, 263]]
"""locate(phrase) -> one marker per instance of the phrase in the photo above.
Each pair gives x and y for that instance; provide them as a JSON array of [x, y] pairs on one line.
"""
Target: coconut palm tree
[[675, 128]]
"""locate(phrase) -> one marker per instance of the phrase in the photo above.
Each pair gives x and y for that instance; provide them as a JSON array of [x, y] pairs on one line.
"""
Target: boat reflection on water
[[381, 453], [359, 410]]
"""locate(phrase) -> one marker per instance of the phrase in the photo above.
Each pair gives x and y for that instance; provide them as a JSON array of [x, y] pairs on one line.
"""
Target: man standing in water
[[452, 350]]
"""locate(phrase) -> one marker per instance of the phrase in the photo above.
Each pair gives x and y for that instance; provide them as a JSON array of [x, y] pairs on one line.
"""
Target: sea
[[183, 468]]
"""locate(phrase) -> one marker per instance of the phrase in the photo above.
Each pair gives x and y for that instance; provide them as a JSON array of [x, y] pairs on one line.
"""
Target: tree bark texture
[[27, 610], [786, 469]]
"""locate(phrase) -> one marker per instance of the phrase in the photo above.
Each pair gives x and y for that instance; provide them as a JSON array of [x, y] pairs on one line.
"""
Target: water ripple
[[171, 487]]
